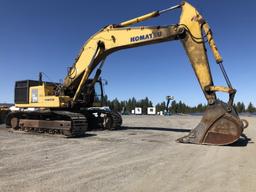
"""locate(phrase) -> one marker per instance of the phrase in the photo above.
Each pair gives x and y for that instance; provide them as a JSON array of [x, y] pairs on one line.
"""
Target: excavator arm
[[220, 124], [112, 38]]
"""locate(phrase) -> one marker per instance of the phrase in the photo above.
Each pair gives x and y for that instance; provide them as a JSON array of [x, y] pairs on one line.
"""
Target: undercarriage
[[67, 123]]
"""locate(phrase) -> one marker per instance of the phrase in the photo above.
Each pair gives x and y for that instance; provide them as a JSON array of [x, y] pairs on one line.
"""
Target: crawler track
[[65, 123]]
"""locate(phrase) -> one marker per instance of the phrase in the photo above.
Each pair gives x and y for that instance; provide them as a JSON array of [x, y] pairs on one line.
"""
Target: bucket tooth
[[217, 127]]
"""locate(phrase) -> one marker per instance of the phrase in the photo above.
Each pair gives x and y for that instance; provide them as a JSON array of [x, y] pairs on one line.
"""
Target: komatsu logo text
[[146, 37]]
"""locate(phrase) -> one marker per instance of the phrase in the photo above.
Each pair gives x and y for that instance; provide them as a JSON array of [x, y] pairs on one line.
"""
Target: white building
[[151, 111]]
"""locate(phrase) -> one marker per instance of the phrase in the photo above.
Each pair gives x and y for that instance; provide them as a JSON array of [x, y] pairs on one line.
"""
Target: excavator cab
[[92, 94], [98, 94]]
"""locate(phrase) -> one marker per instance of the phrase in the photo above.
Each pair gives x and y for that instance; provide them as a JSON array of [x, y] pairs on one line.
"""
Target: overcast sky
[[46, 35]]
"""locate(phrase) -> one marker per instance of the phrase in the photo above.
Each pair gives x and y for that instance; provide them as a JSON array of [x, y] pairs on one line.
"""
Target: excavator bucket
[[217, 127]]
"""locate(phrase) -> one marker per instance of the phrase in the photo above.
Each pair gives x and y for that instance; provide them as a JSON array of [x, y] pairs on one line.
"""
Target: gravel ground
[[143, 156]]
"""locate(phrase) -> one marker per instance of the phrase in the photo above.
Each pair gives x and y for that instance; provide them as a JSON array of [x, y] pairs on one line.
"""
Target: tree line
[[241, 108], [126, 106]]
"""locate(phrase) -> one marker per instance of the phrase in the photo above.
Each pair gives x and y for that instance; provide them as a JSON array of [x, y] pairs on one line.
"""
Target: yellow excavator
[[69, 108]]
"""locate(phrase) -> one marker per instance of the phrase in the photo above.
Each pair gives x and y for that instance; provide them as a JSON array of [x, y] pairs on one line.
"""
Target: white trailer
[[138, 110]]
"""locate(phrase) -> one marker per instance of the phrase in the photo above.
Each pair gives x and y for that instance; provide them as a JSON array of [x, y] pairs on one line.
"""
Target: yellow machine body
[[42, 96], [219, 126]]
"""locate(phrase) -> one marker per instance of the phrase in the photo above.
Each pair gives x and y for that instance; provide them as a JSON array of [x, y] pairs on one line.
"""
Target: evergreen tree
[[251, 108], [173, 108], [240, 107], [160, 107]]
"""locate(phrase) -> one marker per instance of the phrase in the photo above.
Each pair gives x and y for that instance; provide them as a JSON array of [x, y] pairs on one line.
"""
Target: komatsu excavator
[[69, 109]]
